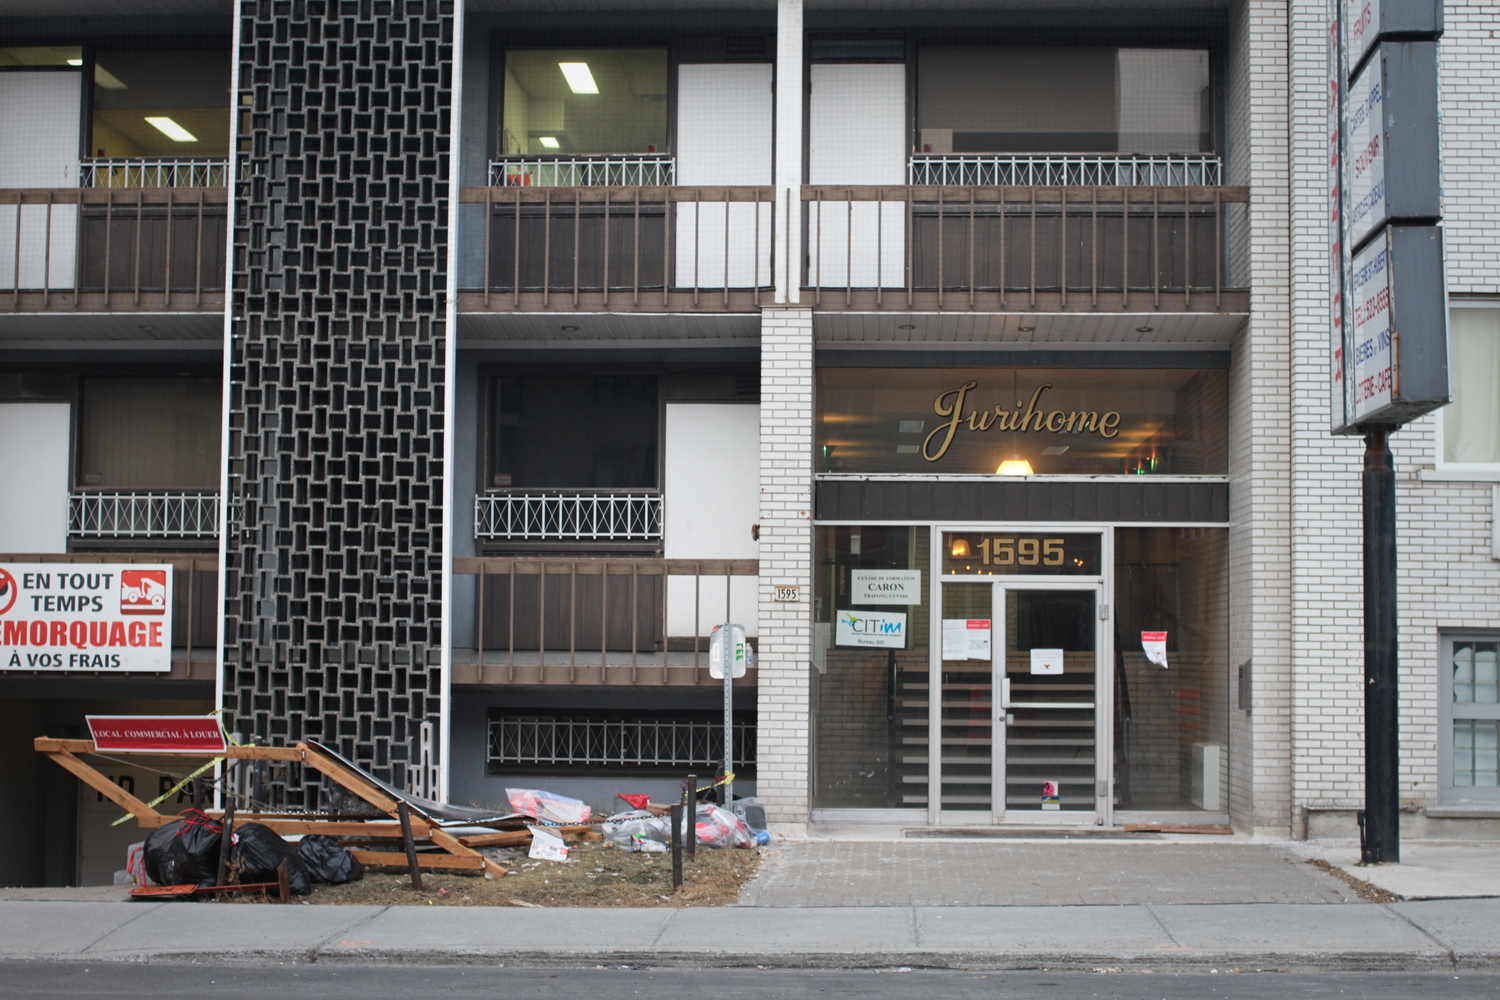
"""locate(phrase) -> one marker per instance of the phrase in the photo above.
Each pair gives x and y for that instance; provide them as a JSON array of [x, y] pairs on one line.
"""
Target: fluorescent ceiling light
[[579, 77], [172, 130], [75, 62], [548, 141]]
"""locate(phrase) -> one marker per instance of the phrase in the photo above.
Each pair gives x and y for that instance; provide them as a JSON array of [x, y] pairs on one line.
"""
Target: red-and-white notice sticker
[[1155, 645]]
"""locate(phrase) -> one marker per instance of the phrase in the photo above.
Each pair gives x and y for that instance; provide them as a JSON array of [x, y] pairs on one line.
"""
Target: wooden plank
[[46, 744], [105, 787], [393, 859], [510, 838], [450, 843], [1178, 828], [371, 793], [329, 828]]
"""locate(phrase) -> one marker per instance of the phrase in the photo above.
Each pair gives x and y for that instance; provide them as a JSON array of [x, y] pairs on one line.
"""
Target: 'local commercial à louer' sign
[[95, 616]]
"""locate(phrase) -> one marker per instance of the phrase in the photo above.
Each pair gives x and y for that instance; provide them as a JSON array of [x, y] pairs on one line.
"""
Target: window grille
[[629, 517], [143, 515], [1061, 170], [651, 170], [666, 743]]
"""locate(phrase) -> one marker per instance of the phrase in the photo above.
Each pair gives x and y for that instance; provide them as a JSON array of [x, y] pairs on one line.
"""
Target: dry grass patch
[[593, 875]]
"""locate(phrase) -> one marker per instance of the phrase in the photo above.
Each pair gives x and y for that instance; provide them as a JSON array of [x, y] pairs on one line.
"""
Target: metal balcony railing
[[152, 172], [1039, 249], [665, 743], [141, 248], [1065, 170], [143, 515], [626, 248], [568, 517], [644, 170]]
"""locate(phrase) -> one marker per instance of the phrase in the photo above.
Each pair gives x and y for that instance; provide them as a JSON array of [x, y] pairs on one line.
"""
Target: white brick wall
[[786, 447]]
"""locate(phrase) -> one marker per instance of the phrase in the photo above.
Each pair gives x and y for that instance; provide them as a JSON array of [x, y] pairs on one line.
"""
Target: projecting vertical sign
[[1370, 310], [1338, 416], [1361, 27], [1364, 154]]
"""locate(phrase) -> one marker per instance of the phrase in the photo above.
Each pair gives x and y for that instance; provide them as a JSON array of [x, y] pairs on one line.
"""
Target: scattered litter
[[548, 807], [546, 845], [718, 827], [636, 829]]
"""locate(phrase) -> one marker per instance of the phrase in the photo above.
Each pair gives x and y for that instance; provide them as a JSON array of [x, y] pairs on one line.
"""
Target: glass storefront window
[[1047, 99], [149, 433], [161, 103], [42, 55], [869, 703], [581, 102], [1023, 421], [1171, 722], [575, 433]]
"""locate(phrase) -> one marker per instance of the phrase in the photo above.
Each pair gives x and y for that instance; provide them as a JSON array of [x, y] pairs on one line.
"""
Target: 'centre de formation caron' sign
[[98, 617]]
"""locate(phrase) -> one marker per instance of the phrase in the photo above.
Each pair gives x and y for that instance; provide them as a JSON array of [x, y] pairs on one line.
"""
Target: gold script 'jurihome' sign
[[1029, 416]]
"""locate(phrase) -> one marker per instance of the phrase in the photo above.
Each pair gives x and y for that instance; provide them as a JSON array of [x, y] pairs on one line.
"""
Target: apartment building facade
[[469, 363]]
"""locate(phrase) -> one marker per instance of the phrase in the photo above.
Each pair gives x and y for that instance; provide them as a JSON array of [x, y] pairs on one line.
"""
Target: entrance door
[[1019, 691]]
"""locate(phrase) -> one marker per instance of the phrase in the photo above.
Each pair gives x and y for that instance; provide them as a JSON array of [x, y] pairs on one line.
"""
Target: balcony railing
[[645, 170], [143, 515], [620, 248], [601, 742], [1064, 170], [571, 517], [1040, 249], [152, 172], [144, 249], [584, 620]]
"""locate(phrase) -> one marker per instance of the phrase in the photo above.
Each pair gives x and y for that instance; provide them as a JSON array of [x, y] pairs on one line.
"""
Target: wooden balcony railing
[[1022, 249], [145, 249], [642, 249]]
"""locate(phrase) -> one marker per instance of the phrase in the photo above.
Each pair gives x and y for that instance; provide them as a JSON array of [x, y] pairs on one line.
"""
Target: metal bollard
[[676, 819]]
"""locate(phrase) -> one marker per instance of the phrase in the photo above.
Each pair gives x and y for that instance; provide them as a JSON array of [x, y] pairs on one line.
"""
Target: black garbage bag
[[257, 850], [185, 851], [327, 861]]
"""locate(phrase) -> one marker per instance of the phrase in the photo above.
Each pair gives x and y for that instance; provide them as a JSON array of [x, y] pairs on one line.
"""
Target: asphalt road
[[164, 981]]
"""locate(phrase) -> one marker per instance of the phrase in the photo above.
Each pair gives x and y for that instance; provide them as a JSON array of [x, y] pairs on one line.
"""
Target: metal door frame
[[1103, 588]]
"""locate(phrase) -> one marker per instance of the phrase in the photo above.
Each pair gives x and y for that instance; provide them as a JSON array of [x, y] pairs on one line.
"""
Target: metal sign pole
[[729, 655], [1380, 836]]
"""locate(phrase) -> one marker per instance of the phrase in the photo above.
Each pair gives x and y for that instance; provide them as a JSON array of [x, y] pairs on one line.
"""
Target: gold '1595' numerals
[[1022, 551]]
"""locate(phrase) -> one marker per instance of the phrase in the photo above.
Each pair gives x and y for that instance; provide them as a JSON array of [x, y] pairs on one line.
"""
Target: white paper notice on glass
[[1046, 661], [1155, 645], [966, 638]]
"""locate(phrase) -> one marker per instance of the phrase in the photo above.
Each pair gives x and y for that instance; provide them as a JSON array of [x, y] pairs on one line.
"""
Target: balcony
[[1064, 170], [1024, 249], [568, 517], [154, 172], [648, 170], [181, 516], [619, 249], [105, 249]]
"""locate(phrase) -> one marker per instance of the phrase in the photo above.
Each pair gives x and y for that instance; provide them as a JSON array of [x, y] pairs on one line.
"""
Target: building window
[[1469, 737], [161, 104], [598, 432], [1471, 423], [46, 55], [584, 102], [1098, 99], [149, 433]]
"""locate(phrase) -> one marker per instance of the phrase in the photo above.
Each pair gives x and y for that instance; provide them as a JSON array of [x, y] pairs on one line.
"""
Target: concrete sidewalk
[[1419, 936], [962, 904]]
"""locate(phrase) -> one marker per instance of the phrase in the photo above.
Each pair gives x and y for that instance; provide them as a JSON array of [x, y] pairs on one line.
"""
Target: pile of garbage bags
[[186, 852], [547, 807], [639, 830]]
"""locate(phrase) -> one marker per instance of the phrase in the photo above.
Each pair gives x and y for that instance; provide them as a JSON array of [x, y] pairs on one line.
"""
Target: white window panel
[[1469, 718]]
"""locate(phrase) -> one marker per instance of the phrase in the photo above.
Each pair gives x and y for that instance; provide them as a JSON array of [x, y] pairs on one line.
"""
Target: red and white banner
[[156, 733], [86, 616], [1155, 646]]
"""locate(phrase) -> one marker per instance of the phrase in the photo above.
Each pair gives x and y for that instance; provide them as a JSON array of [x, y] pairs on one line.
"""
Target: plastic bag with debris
[[637, 826], [718, 827], [548, 807], [185, 851], [256, 851]]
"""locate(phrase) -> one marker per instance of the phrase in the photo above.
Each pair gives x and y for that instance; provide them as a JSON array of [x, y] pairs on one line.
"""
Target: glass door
[[1016, 694], [1051, 712]]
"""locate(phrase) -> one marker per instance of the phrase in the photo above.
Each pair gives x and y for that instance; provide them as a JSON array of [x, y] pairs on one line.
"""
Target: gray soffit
[[595, 330], [1024, 331], [40, 331]]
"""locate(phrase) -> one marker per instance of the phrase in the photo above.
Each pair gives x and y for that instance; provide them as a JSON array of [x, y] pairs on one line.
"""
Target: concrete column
[[790, 90], [786, 444]]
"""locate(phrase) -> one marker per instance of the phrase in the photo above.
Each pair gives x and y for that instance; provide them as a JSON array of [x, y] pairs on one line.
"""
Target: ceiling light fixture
[[1014, 467], [907, 326], [570, 329], [960, 548], [1026, 329], [1144, 329], [171, 129], [548, 142], [579, 78]]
